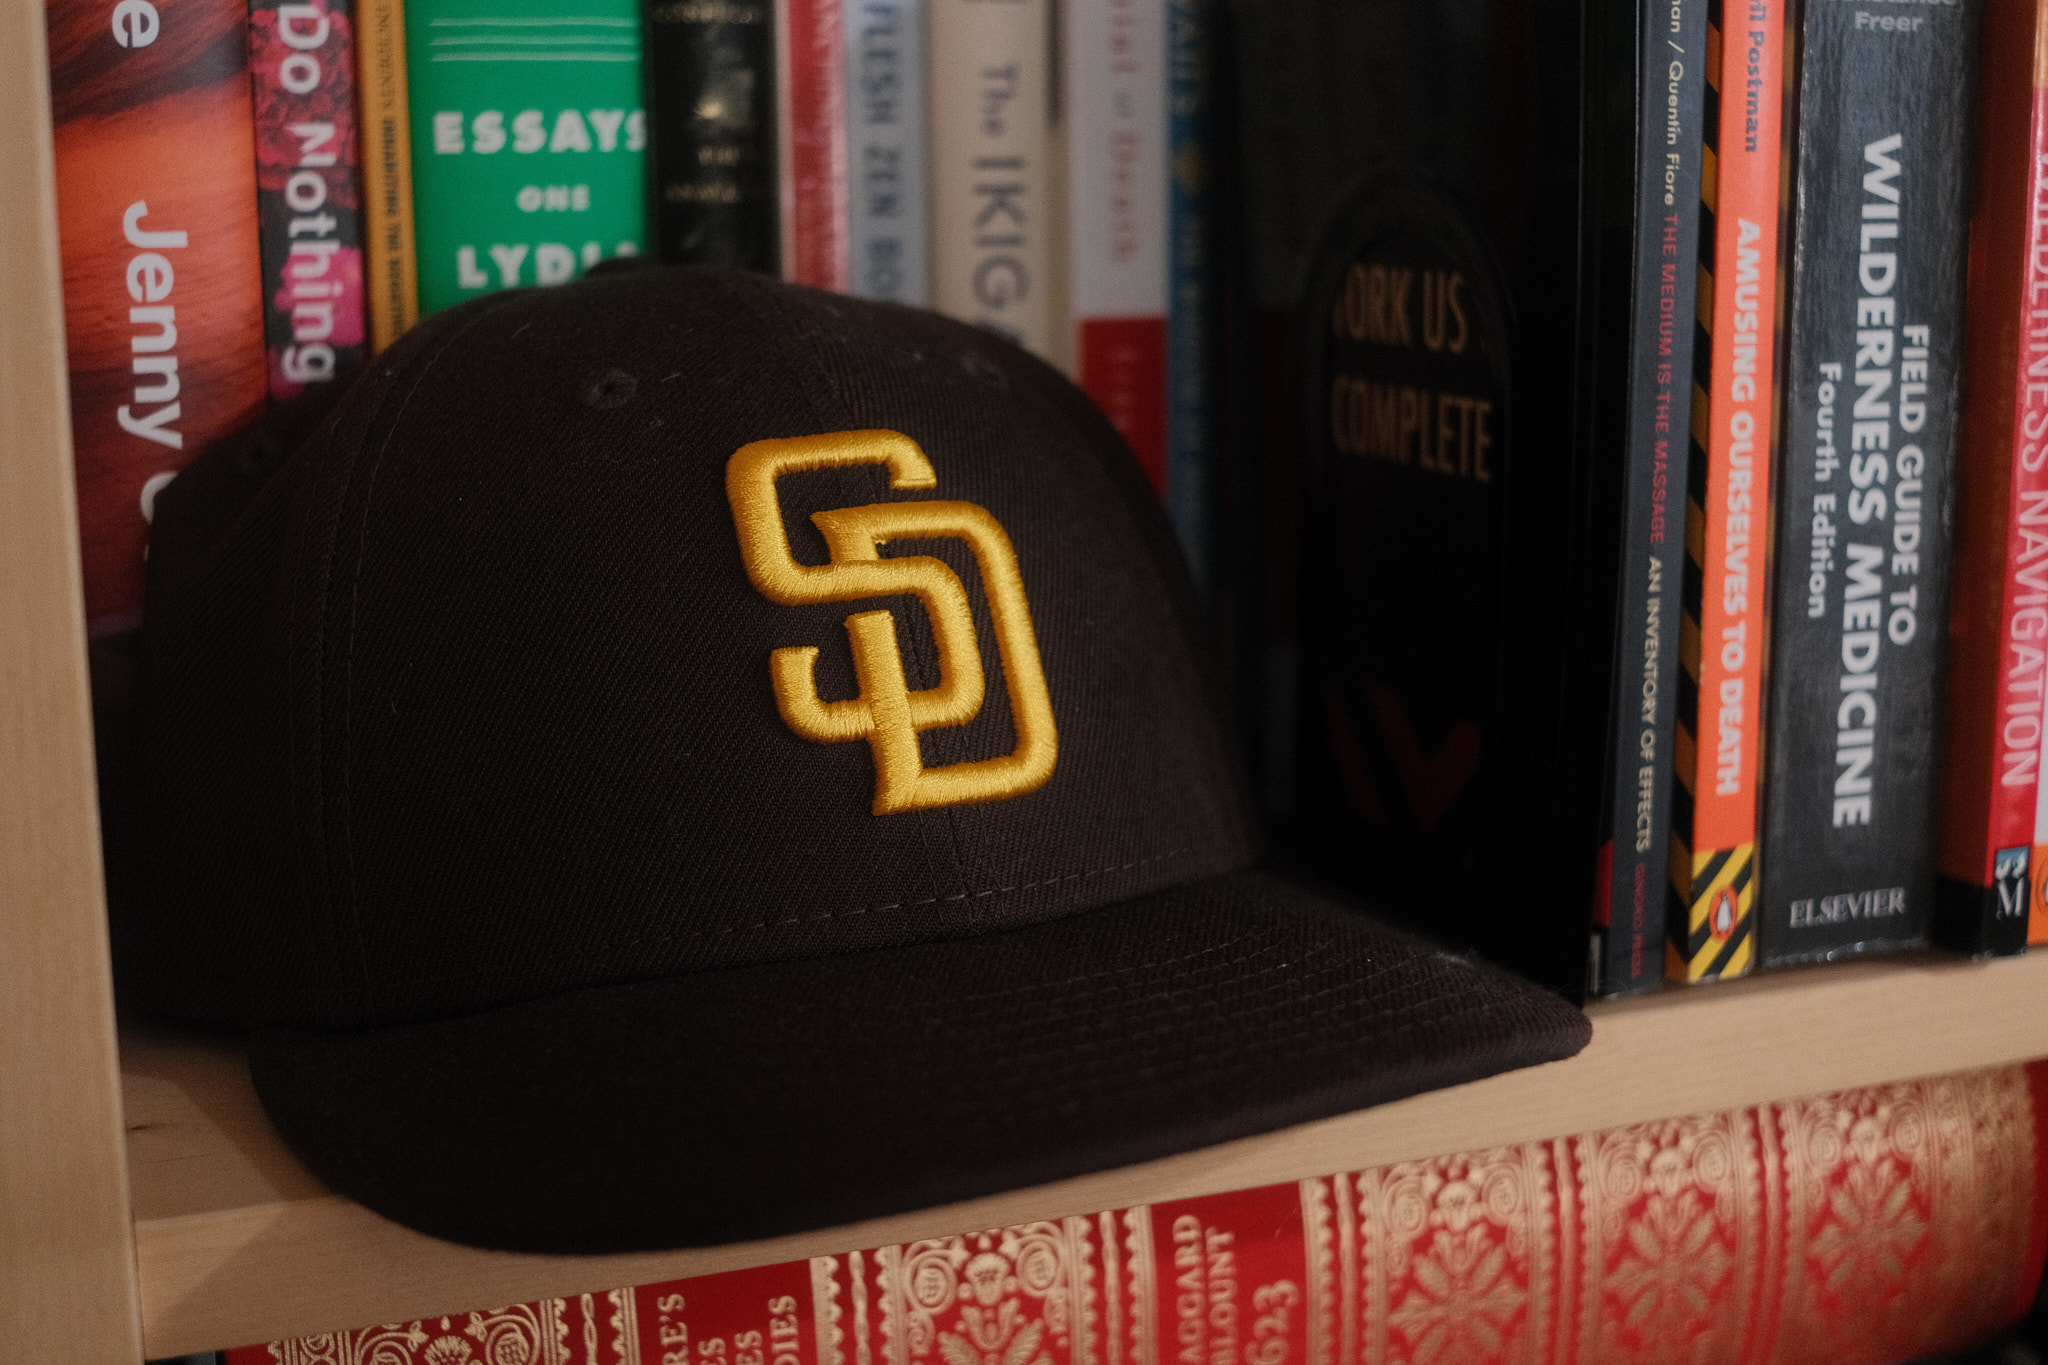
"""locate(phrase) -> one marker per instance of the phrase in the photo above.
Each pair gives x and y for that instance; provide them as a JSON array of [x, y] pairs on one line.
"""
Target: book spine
[[2031, 403], [1190, 416], [711, 115], [1630, 921], [1713, 851], [154, 143], [2037, 863], [1998, 625], [810, 95], [308, 204], [1117, 217], [888, 215], [991, 121], [529, 143], [1874, 365], [392, 295], [1609, 1245]]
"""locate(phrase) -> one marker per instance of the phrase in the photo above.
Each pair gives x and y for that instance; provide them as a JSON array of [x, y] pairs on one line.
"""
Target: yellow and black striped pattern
[[1709, 930], [1717, 936]]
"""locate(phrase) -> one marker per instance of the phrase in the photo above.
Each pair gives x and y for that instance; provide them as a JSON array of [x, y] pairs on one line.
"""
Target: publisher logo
[[1721, 918]]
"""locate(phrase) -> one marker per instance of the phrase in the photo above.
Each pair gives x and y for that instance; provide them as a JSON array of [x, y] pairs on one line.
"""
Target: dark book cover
[[1652, 244], [1873, 370], [711, 106], [308, 193], [1493, 443]]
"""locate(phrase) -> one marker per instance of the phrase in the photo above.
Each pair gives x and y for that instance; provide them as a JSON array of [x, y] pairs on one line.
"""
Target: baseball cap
[[678, 758]]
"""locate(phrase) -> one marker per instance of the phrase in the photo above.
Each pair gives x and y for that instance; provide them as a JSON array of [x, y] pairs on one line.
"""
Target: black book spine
[[711, 106], [1986, 921], [1670, 82], [1871, 407]]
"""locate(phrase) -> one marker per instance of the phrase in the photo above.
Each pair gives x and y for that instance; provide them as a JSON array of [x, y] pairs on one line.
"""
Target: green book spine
[[528, 141]]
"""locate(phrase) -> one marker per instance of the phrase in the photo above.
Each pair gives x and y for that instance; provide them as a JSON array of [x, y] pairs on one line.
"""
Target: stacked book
[[1669, 604], [257, 195], [1668, 396]]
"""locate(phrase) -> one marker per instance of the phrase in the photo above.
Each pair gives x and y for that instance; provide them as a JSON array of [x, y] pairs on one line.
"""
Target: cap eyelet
[[611, 389], [984, 369], [261, 453]]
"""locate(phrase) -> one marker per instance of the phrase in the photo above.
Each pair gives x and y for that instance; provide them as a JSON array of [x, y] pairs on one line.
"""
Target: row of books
[[1539, 281], [1035, 167], [256, 195], [1487, 257]]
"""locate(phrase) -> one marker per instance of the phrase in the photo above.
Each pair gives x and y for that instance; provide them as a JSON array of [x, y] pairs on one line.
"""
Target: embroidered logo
[[887, 714]]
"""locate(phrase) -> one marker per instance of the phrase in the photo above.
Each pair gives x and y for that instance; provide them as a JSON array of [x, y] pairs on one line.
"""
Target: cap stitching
[[1068, 983], [998, 890], [1228, 1054], [1176, 992], [1164, 1021], [819, 918], [348, 843]]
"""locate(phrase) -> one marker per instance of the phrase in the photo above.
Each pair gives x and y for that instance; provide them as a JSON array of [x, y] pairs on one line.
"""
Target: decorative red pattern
[[1852, 1229]]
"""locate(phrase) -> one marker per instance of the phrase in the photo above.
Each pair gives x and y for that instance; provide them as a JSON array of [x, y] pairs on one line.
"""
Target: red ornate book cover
[[1853, 1229]]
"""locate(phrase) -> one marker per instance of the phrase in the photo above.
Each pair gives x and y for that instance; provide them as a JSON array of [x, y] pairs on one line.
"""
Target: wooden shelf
[[236, 1243]]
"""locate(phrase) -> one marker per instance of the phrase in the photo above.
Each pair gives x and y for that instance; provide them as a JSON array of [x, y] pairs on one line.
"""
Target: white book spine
[[889, 211], [992, 244], [1114, 66], [1116, 158]]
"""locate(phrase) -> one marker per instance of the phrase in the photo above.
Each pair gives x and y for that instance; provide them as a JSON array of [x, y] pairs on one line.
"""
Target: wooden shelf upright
[[67, 1265], [225, 1239]]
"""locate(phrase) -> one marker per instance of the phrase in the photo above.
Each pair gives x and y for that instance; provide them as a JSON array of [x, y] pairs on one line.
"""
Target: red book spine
[[1852, 1229], [1998, 623], [810, 99], [1122, 365], [302, 60], [156, 217]]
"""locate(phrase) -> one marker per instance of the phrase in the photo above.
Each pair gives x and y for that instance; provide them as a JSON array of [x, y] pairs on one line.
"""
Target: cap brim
[[753, 1101]]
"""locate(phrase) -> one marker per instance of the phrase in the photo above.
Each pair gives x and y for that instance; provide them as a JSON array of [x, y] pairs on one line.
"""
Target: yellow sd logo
[[887, 714]]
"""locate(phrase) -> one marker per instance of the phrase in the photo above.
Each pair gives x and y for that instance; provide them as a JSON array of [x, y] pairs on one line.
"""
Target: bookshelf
[[147, 1207]]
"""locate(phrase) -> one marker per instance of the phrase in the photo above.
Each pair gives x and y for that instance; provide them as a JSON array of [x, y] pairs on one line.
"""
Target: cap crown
[[616, 631]]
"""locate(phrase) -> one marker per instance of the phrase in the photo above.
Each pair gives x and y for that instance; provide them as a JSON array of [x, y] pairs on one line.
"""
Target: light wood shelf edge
[[67, 1268], [237, 1244]]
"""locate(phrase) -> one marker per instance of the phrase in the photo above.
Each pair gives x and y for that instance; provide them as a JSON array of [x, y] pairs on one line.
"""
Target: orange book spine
[[1728, 522], [155, 149], [392, 293]]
